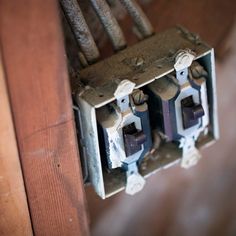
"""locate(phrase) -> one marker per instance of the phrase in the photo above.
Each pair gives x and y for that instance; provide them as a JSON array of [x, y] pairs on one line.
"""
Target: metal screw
[[139, 97], [138, 61]]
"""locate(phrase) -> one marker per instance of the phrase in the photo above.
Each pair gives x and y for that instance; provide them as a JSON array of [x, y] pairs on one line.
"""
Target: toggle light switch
[[133, 139], [191, 112]]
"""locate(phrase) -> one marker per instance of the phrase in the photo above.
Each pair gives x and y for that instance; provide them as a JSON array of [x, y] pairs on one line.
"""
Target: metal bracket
[[190, 154], [134, 181]]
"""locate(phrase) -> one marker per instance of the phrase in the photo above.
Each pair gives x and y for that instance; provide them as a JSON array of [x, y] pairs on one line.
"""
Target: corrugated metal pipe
[[80, 29], [109, 23], [140, 19]]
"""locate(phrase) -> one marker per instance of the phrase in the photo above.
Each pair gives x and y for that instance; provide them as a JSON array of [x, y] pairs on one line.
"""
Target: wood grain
[[14, 214], [38, 84]]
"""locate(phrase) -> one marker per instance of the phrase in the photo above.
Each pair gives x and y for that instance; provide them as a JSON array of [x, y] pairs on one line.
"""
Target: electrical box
[[146, 108]]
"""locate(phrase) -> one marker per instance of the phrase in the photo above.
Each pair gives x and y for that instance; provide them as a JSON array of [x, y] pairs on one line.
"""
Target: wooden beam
[[33, 53], [14, 214]]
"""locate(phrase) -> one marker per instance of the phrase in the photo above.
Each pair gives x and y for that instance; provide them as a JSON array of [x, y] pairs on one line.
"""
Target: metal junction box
[[146, 108]]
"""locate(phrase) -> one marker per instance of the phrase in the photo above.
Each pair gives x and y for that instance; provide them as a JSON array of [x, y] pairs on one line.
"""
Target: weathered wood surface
[[39, 90], [14, 214]]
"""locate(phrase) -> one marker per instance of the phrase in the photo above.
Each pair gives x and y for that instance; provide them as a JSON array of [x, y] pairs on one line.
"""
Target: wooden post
[[35, 62], [14, 214]]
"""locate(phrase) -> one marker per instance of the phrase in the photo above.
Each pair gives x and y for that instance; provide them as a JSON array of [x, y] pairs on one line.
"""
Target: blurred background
[[202, 200]]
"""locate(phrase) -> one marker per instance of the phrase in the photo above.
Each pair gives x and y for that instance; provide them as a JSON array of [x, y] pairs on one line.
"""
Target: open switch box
[[146, 108]]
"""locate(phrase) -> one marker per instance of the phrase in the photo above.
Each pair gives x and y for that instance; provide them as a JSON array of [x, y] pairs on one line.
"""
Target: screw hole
[[123, 100], [101, 95], [181, 73]]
